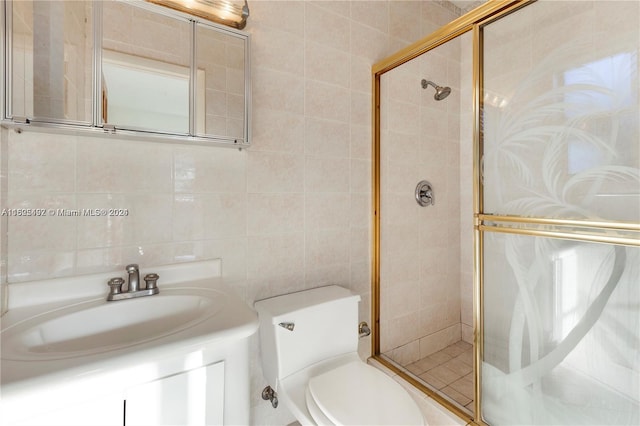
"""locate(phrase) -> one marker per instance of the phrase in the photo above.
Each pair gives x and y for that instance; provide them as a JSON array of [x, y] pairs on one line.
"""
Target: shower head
[[441, 92]]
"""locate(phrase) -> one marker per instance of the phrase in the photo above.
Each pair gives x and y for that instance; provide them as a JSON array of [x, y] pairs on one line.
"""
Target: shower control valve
[[424, 194]]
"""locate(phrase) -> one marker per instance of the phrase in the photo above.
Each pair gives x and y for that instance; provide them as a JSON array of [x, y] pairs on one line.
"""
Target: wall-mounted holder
[[424, 193]]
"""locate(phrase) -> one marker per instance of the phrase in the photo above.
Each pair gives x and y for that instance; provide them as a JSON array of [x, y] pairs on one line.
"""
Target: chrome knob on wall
[[424, 193]]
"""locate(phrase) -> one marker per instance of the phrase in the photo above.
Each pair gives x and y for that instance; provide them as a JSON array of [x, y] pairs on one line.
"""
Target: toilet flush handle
[[288, 325]]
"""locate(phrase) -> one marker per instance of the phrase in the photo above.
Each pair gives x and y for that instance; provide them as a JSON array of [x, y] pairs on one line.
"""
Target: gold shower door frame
[[617, 233]]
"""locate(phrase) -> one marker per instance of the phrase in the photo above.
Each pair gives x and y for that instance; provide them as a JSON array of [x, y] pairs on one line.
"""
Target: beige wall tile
[[368, 42], [41, 163], [271, 214], [327, 64], [326, 138], [282, 15], [277, 50], [325, 174], [202, 170], [326, 211], [405, 19], [323, 26], [275, 172], [374, 14], [278, 131], [54, 231], [276, 90], [105, 165], [327, 101]]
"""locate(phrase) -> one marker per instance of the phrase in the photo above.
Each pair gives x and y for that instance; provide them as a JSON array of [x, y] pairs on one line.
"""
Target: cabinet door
[[194, 397], [105, 410]]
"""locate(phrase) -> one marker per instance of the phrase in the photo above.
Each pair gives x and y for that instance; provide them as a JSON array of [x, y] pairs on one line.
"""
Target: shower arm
[[426, 83]]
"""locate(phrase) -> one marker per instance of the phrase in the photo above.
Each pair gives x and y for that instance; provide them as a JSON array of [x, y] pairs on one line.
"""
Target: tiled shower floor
[[450, 372]]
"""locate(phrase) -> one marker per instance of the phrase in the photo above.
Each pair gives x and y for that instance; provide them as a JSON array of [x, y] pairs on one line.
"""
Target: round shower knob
[[424, 194]]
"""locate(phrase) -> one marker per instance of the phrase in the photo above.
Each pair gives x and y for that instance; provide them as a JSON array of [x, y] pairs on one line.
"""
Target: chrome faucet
[[133, 288], [134, 277]]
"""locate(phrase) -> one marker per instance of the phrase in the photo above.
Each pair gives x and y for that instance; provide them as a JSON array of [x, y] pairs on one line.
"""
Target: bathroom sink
[[68, 356], [98, 326]]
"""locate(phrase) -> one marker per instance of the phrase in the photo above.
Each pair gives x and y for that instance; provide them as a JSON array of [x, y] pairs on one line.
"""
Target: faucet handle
[[151, 279], [116, 285]]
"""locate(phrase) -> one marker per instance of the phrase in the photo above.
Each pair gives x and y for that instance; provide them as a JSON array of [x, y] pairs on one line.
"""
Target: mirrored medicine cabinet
[[125, 67]]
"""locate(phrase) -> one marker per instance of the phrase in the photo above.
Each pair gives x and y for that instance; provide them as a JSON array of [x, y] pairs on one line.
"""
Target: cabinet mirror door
[[51, 61], [221, 83], [146, 75]]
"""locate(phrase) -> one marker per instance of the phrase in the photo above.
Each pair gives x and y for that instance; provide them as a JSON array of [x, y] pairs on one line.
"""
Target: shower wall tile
[[403, 148], [440, 340], [404, 118], [405, 84]]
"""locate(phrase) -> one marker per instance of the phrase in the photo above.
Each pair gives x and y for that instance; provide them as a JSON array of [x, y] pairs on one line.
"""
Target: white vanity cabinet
[[195, 397]]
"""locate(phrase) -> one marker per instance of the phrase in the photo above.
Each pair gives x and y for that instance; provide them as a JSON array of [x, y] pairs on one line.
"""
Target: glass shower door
[[560, 215]]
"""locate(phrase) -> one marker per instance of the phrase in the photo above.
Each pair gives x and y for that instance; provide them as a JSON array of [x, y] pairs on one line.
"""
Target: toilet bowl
[[309, 345]]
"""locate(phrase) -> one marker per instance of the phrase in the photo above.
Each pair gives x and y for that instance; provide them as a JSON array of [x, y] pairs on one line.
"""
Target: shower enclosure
[[507, 213]]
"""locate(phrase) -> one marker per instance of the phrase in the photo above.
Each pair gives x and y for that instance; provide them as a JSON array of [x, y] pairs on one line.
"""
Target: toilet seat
[[359, 394]]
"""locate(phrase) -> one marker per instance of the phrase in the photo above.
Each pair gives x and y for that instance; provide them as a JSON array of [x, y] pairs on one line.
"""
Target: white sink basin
[[98, 326]]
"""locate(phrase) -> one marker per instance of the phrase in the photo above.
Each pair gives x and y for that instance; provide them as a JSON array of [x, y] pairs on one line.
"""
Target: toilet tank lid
[[277, 306]]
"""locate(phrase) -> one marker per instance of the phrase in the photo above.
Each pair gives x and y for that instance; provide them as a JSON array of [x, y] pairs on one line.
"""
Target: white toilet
[[309, 342]]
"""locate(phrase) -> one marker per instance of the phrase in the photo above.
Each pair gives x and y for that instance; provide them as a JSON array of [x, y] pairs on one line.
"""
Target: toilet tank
[[325, 325]]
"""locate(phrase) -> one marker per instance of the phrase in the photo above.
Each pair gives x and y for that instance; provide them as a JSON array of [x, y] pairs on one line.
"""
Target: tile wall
[[292, 212]]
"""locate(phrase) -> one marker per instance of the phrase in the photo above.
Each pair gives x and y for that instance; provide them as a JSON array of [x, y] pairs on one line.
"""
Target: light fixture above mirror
[[233, 13]]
